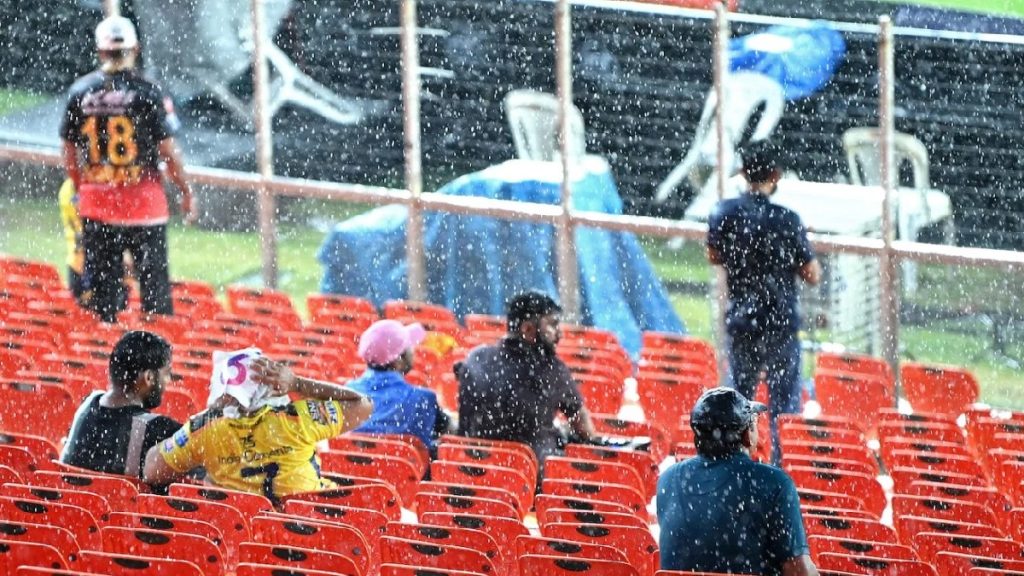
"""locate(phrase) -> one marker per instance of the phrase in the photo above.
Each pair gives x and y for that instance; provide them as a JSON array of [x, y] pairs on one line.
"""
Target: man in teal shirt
[[722, 512]]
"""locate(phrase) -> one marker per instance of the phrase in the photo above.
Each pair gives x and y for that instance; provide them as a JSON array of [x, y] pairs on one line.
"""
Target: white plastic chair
[[745, 93], [917, 205], [533, 119]]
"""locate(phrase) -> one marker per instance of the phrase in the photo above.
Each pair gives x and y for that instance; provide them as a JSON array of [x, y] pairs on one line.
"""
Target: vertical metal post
[[266, 200], [416, 271], [112, 7], [720, 59], [889, 264], [565, 230]]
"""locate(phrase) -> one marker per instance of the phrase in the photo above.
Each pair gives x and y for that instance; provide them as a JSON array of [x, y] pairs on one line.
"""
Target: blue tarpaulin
[[474, 264], [800, 58]]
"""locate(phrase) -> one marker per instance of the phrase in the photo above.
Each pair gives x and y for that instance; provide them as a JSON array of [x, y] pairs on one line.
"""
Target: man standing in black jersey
[[117, 129]]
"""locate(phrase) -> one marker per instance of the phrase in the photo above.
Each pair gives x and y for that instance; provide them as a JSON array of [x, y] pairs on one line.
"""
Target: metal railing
[[268, 186]]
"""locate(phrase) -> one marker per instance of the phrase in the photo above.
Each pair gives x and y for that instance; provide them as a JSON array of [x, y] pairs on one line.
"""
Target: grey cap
[[723, 409]]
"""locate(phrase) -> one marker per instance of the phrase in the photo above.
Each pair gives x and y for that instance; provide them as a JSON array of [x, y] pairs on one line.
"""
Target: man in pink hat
[[400, 408]]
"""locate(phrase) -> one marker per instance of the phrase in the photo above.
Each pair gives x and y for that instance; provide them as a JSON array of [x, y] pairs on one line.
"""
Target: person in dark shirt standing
[[513, 389], [112, 430], [763, 248], [721, 512], [117, 129]]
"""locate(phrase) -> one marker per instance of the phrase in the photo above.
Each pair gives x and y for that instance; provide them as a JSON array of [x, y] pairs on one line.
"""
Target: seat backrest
[[381, 497], [273, 528], [908, 526], [232, 525], [370, 523], [121, 493], [78, 520], [61, 539], [415, 553], [874, 565], [253, 555], [128, 565], [21, 553], [534, 565], [451, 536], [432, 502], [849, 528], [833, 545], [247, 503], [637, 544], [481, 474], [545, 502], [533, 119], [863, 155], [163, 544], [397, 472], [169, 524], [488, 492]]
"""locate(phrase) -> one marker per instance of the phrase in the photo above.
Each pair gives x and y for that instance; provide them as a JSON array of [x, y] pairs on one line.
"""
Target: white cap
[[116, 33]]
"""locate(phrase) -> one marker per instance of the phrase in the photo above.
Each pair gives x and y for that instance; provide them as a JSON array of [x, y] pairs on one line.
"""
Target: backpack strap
[[136, 441]]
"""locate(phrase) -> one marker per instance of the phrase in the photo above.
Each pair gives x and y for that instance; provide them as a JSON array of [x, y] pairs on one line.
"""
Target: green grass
[[11, 100], [1005, 7]]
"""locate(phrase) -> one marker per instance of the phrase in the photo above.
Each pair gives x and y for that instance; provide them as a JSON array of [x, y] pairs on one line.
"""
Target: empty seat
[[941, 389], [164, 544], [637, 544], [412, 552], [127, 565], [874, 565], [373, 496], [534, 565]]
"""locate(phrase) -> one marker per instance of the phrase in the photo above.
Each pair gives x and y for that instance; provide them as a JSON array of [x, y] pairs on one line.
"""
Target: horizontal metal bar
[[237, 181]]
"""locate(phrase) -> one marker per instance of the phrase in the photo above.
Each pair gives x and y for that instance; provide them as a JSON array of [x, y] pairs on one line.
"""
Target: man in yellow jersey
[[253, 437]]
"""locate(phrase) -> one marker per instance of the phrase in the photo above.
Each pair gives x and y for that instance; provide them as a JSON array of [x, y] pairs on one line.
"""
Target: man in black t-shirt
[[764, 249], [117, 129], [512, 390], [112, 430]]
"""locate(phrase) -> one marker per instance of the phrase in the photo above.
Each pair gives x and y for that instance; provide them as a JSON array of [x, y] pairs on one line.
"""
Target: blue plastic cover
[[474, 264], [801, 59]]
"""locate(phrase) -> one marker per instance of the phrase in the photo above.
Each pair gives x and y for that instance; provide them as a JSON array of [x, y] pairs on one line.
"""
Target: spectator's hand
[[189, 208], [275, 375]]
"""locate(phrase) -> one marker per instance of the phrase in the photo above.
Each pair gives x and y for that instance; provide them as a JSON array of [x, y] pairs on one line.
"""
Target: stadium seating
[[533, 565], [290, 560], [941, 389]]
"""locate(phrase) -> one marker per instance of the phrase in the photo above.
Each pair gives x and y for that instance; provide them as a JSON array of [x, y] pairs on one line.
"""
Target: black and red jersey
[[116, 122]]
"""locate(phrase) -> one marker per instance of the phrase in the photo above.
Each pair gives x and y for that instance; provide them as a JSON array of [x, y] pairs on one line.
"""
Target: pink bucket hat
[[386, 340]]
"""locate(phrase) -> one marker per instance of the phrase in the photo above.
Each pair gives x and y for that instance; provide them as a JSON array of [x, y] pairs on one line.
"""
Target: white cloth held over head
[[232, 376]]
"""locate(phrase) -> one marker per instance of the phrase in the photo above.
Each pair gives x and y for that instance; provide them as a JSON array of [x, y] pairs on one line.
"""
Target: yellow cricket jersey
[[68, 202], [272, 452]]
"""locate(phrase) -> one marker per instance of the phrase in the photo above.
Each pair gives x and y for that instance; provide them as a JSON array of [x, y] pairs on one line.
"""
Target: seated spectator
[[252, 437], [112, 430], [722, 512], [398, 407], [513, 389]]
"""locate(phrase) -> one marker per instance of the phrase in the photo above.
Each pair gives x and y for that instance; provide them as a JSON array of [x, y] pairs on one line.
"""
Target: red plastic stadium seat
[[247, 503], [291, 560], [469, 490], [414, 553], [855, 364], [79, 521], [125, 565], [95, 504], [418, 311], [666, 398], [909, 526], [380, 497], [809, 434], [228, 520], [16, 553], [826, 499], [383, 445], [21, 402], [956, 564], [281, 529], [522, 487], [532, 565], [406, 570], [611, 425], [489, 455], [545, 502], [163, 544], [168, 524], [902, 478], [874, 565], [580, 470], [929, 544], [831, 545], [370, 523], [849, 528], [541, 546], [639, 461], [637, 544], [398, 472], [431, 502], [941, 389], [863, 485], [61, 539], [854, 396], [19, 459], [942, 509], [825, 464], [615, 493], [458, 537], [927, 431], [936, 463], [568, 516], [504, 531]]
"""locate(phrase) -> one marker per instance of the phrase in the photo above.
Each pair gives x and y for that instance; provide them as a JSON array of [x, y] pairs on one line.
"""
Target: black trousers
[[102, 279]]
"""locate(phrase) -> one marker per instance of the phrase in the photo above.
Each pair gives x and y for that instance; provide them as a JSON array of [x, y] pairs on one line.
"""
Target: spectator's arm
[[799, 566], [811, 272], [156, 471], [176, 172], [71, 163]]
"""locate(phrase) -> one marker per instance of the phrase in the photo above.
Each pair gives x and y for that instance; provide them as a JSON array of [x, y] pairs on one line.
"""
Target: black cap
[[529, 305], [760, 160], [723, 409]]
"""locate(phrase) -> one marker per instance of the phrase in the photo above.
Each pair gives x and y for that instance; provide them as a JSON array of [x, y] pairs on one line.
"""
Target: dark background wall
[[640, 81]]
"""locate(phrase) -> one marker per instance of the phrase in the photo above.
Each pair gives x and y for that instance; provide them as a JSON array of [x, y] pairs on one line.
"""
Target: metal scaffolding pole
[[416, 276], [565, 230], [266, 199], [889, 263], [720, 289]]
